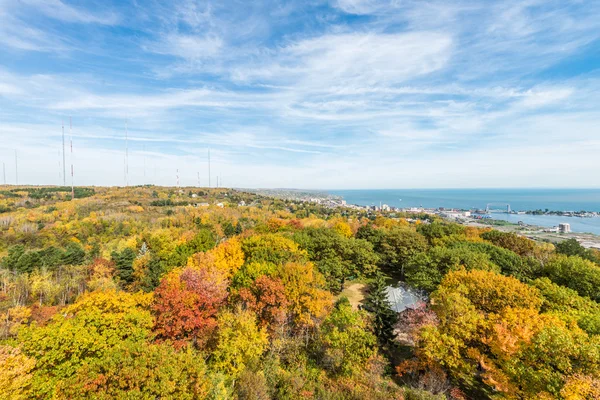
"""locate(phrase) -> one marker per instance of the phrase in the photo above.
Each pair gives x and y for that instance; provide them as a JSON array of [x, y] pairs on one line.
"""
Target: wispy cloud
[[59, 10], [353, 93], [189, 47]]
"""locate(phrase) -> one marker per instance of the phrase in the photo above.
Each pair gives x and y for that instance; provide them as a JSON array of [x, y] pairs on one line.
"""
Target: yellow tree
[[492, 338], [341, 226], [43, 286], [308, 302], [227, 257], [15, 374], [239, 341], [83, 331]]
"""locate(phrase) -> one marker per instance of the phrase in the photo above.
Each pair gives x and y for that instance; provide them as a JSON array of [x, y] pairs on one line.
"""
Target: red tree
[[266, 297], [186, 304]]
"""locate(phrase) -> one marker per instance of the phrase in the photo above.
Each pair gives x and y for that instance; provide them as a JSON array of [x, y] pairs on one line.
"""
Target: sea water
[[467, 199]]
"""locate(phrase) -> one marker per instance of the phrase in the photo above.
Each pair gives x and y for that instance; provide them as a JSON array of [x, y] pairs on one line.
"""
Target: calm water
[[581, 225], [519, 200]]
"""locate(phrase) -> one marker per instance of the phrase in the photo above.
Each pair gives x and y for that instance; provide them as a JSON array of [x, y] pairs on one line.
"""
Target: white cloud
[[189, 47], [354, 58], [540, 98], [17, 33], [58, 10], [435, 93], [360, 6]]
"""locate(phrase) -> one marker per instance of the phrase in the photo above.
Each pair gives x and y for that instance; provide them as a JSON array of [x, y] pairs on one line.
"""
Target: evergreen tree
[[377, 303], [124, 263], [74, 254], [228, 229], [155, 272], [238, 228]]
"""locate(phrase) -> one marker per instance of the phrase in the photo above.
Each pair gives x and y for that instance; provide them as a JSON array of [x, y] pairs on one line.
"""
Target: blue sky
[[306, 94]]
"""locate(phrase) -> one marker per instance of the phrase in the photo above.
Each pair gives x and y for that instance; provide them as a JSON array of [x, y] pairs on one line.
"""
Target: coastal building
[[564, 228]]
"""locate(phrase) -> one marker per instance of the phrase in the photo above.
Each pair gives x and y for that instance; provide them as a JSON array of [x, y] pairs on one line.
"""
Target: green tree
[[576, 273], [124, 263], [509, 261], [346, 340], [571, 247], [74, 255], [566, 304], [439, 230], [81, 332], [384, 318], [204, 240], [337, 257], [139, 370], [426, 270], [228, 229], [398, 246]]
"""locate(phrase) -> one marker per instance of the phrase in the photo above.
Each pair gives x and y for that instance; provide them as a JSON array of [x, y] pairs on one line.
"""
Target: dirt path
[[355, 292]]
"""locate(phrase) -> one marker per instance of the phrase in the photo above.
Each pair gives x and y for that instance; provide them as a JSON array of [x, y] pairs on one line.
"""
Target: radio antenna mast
[[64, 163], [177, 177], [71, 139], [4, 172], [209, 167], [198, 179]]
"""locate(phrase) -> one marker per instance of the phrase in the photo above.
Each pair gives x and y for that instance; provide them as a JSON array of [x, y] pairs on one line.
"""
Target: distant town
[[472, 217]]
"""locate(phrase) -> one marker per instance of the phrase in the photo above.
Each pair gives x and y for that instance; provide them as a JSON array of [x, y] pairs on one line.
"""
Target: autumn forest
[[166, 293]]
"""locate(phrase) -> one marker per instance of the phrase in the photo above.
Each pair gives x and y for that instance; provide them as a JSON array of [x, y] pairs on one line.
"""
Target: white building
[[564, 228]]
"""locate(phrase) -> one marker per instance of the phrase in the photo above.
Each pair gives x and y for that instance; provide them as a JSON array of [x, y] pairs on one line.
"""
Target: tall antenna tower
[[16, 168], [209, 167], [127, 152], [71, 140], [177, 177], [144, 164], [198, 179], [217, 181], [64, 163], [4, 172]]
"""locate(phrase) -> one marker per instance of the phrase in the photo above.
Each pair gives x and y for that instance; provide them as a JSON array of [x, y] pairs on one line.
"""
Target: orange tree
[[493, 341], [186, 303]]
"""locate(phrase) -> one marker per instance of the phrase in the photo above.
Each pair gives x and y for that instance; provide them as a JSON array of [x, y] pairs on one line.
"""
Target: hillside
[[154, 292]]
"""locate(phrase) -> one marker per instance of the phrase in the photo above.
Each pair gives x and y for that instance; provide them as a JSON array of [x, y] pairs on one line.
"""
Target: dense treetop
[[150, 292]]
